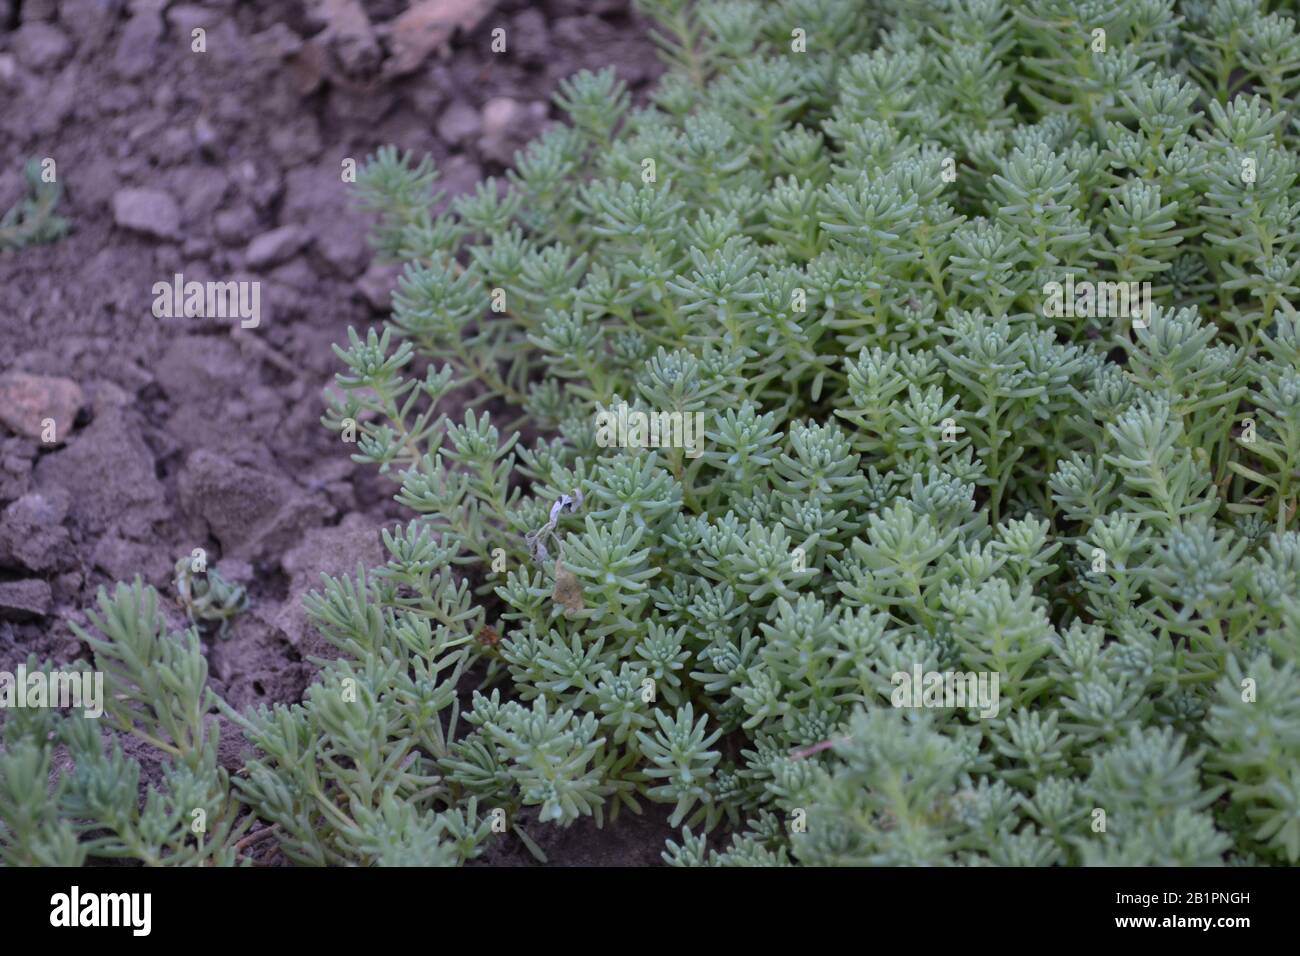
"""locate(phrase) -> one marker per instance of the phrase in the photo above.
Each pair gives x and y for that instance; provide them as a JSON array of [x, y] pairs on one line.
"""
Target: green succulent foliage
[[830, 234], [33, 219], [70, 792], [206, 596]]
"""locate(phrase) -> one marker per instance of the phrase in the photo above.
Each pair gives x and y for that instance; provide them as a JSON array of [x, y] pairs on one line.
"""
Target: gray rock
[[148, 211], [41, 46], [261, 182], [173, 145], [507, 125], [122, 560], [316, 197], [24, 600], [377, 285], [32, 535], [195, 369], [66, 588], [94, 19], [274, 247], [108, 472], [294, 141], [28, 401], [15, 477], [500, 114], [296, 276], [202, 188], [205, 137], [236, 225], [334, 551], [527, 38], [252, 514], [58, 102], [137, 47], [458, 123], [344, 247], [96, 181]]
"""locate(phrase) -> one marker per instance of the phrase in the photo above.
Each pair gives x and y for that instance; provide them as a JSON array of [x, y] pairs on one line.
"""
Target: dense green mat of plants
[[833, 234]]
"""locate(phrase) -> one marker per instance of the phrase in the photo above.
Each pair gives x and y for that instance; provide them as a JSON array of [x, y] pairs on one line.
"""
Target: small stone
[[137, 46], [58, 103], [66, 587], [335, 551], [24, 600], [202, 187], [96, 182], [32, 535], [261, 182], [377, 285], [344, 247], [274, 247], [94, 20], [528, 37], [28, 402], [236, 225], [15, 477], [499, 114], [250, 512], [109, 475], [459, 123], [40, 46], [205, 137], [507, 125], [173, 145], [122, 560], [148, 211]]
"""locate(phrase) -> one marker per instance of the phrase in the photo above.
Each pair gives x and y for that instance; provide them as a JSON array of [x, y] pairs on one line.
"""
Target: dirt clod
[[252, 513], [40, 46], [22, 600], [32, 535], [39, 406], [148, 211], [275, 247]]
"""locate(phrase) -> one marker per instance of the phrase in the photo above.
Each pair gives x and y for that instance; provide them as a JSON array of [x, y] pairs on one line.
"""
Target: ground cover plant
[[879, 251], [33, 218]]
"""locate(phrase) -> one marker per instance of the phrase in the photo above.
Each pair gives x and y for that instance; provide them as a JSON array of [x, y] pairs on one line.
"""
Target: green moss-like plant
[[838, 234], [33, 219]]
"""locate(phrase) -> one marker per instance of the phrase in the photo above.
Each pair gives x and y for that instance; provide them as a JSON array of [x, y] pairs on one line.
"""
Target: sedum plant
[[69, 792], [33, 218], [837, 236]]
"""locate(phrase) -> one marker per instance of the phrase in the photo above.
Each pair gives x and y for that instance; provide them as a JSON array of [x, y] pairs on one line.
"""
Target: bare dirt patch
[[177, 433]]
